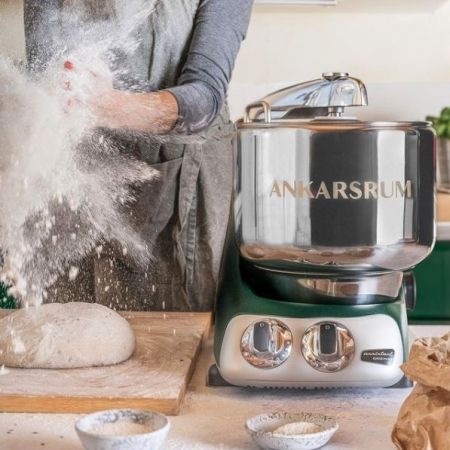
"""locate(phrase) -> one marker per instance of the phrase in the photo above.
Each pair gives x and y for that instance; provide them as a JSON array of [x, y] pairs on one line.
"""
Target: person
[[186, 55]]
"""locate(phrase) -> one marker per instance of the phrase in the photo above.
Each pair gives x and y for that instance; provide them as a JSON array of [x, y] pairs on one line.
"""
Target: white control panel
[[378, 354]]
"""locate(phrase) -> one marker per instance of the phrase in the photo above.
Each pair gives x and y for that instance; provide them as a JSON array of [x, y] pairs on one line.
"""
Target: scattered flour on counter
[[18, 345], [73, 273], [120, 428], [298, 428]]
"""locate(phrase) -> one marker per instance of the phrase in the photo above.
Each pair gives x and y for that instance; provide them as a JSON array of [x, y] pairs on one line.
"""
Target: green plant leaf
[[441, 128], [445, 114]]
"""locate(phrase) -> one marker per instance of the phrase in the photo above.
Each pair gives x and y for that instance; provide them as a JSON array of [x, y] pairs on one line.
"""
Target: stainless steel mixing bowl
[[332, 193]]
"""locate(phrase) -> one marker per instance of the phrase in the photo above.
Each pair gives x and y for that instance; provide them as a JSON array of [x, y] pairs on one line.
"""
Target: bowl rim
[[331, 429], [142, 412]]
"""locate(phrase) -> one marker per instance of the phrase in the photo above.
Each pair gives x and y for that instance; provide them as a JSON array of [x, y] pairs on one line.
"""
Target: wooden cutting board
[[155, 377], [443, 207]]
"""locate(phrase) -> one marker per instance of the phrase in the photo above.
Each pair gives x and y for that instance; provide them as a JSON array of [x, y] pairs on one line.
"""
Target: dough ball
[[65, 336]]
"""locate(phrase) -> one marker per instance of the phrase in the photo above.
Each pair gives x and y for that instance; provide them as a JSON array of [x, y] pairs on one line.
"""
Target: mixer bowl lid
[[319, 104]]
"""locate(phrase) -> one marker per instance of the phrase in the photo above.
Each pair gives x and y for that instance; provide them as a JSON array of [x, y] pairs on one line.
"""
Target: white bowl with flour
[[284, 431], [123, 429]]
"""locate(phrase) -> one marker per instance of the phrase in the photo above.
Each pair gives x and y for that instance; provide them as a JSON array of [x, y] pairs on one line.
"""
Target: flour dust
[[64, 184]]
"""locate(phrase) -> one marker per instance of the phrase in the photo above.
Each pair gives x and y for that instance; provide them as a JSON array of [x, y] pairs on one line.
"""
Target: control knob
[[266, 343], [328, 346]]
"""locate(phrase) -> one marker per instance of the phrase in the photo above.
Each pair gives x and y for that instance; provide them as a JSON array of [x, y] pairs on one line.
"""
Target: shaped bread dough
[[65, 336]]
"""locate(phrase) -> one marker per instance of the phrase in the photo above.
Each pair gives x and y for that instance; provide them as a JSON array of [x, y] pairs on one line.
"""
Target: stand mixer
[[328, 214]]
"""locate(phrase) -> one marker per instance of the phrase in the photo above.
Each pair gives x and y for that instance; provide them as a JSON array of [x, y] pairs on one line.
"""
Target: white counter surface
[[213, 418]]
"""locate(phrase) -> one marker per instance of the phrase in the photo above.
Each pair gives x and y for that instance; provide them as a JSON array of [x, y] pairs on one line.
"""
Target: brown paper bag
[[423, 422]]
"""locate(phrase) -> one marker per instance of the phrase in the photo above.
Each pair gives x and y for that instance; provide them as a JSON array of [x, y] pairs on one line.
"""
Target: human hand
[[88, 89], [90, 92]]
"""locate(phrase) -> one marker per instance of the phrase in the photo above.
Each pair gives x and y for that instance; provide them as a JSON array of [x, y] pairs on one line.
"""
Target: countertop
[[213, 418]]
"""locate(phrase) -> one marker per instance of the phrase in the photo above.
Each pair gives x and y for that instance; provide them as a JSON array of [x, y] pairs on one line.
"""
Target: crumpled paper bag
[[423, 422]]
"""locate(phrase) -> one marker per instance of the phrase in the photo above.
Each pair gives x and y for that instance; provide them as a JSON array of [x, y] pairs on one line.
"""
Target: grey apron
[[183, 215]]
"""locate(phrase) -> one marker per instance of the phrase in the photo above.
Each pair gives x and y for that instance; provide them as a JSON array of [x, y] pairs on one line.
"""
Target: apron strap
[[185, 231]]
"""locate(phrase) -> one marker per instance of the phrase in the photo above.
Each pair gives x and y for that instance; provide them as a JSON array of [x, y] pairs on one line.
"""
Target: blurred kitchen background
[[398, 47]]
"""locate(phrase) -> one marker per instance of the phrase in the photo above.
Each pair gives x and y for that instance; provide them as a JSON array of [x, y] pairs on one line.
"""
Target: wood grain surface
[[443, 207], [155, 377]]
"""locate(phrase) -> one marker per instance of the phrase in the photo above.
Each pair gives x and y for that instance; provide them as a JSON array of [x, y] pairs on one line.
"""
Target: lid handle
[[334, 92]]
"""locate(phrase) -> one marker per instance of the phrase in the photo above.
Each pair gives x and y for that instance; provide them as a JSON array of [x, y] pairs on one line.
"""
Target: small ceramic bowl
[[261, 428], [112, 437]]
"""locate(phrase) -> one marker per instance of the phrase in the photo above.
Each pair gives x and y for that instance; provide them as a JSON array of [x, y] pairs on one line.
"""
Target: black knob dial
[[328, 338]]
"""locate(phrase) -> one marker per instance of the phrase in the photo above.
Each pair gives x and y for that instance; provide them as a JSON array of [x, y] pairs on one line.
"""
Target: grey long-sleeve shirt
[[219, 28]]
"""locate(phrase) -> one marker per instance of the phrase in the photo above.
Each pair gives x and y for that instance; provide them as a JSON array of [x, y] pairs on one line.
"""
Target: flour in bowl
[[298, 428], [121, 428]]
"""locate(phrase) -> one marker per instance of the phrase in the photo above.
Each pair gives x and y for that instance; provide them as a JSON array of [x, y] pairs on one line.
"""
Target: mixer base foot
[[214, 379], [402, 384]]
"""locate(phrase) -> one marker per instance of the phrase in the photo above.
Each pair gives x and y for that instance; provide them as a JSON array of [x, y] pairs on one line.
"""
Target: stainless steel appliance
[[329, 212]]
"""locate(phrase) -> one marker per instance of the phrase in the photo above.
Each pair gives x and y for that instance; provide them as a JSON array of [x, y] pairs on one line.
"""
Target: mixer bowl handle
[[334, 91]]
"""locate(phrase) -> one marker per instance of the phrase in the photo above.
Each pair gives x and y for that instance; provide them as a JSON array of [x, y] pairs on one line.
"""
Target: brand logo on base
[[355, 190], [384, 356]]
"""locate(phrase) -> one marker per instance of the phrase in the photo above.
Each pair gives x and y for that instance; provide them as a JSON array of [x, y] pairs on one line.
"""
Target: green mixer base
[[238, 305]]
